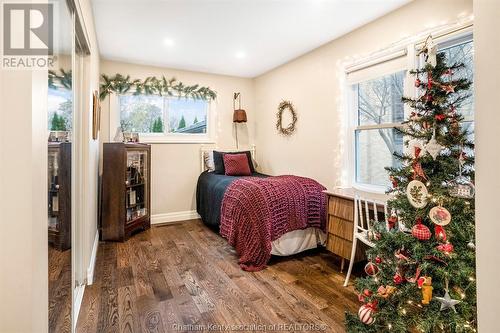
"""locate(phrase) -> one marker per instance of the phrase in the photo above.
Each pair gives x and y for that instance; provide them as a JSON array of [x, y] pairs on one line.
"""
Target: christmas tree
[[58, 123], [157, 126], [423, 268]]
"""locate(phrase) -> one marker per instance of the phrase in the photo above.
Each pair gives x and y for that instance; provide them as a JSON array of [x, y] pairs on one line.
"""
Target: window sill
[[370, 188], [169, 141]]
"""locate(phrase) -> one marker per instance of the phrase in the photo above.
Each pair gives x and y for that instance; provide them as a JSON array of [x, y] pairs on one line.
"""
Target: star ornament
[[447, 302], [449, 88]]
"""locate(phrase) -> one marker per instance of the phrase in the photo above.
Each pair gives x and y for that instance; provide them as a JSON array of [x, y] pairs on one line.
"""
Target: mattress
[[297, 241]]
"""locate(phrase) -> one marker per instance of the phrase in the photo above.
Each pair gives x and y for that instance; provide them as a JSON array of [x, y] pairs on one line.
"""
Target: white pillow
[[208, 160]]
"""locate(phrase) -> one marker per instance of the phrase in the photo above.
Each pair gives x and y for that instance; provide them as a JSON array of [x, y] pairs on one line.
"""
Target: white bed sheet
[[297, 241]]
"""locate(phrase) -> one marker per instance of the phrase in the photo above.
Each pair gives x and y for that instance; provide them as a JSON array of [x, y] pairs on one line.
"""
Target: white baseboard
[[90, 269], [174, 217], [78, 294]]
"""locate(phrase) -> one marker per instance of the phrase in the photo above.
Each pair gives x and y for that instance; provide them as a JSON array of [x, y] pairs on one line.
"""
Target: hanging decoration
[[365, 313], [433, 147], [429, 50], [417, 194], [446, 301], [446, 248], [290, 128], [440, 215], [386, 292], [461, 186], [152, 85], [371, 269], [440, 233], [420, 231], [425, 283]]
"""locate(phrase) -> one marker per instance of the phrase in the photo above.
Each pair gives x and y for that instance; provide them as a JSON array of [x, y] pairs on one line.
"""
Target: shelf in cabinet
[[135, 185]]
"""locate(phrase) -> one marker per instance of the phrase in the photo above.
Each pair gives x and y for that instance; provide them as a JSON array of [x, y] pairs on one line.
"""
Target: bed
[[210, 195]]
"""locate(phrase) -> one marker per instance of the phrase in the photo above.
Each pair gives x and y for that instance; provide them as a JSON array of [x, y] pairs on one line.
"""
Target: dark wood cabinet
[[59, 195], [126, 190]]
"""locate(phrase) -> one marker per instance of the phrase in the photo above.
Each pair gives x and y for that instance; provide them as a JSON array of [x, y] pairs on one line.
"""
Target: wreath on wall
[[286, 106]]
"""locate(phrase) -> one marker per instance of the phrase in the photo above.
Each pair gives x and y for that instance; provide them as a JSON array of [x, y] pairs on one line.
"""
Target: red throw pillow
[[236, 165]]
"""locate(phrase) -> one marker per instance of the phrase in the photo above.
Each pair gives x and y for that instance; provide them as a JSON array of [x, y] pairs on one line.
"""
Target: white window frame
[[208, 137], [446, 37]]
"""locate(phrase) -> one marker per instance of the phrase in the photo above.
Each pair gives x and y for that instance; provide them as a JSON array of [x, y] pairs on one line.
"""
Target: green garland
[[57, 80], [152, 85]]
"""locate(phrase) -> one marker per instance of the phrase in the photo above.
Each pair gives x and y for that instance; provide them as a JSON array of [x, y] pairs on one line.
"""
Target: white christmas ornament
[[416, 192], [446, 301], [433, 147], [430, 51]]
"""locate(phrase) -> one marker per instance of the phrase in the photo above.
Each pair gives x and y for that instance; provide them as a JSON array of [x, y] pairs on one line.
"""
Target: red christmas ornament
[[446, 248], [418, 83], [394, 181], [378, 260], [420, 231], [440, 117], [417, 169], [367, 292], [428, 98], [391, 221], [429, 81], [371, 269], [365, 313], [418, 150], [440, 233], [398, 279]]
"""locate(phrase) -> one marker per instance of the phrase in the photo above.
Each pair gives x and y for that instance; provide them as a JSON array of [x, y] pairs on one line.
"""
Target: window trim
[[192, 138], [447, 37]]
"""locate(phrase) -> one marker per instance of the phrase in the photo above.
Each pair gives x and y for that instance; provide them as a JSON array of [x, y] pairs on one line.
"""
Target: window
[[60, 109], [376, 109], [461, 50], [163, 119], [379, 110]]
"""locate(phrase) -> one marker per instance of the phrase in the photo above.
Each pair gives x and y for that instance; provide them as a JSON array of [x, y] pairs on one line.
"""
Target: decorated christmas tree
[[421, 272]]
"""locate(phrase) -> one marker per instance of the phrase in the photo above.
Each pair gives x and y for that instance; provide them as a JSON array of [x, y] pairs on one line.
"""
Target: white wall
[[23, 197], [175, 167], [487, 129], [311, 83]]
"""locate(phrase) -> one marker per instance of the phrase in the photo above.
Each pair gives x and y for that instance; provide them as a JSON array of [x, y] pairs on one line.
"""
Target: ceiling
[[234, 37]]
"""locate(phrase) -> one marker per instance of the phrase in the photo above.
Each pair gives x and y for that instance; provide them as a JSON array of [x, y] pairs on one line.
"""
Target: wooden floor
[[59, 290], [184, 277]]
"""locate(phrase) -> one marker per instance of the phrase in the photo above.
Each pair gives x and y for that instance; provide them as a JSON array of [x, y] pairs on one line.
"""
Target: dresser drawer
[[342, 248], [342, 208], [340, 227]]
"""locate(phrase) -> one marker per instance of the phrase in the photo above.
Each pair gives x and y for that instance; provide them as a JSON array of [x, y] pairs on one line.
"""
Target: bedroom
[[208, 162]]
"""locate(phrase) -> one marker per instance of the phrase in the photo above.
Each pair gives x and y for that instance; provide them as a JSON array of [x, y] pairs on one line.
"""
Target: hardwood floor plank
[[127, 311], [185, 274]]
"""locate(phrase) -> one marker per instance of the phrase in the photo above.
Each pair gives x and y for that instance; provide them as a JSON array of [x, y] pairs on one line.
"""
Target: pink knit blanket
[[256, 211]]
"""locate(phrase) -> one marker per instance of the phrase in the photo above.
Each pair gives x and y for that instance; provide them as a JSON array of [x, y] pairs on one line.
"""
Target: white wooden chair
[[366, 212]]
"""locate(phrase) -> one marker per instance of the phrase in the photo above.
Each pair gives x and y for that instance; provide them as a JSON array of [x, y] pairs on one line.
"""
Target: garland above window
[[152, 85]]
